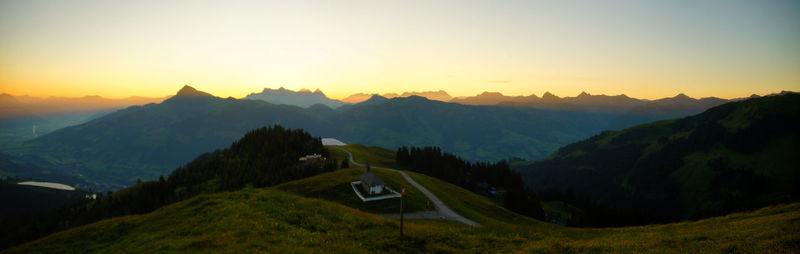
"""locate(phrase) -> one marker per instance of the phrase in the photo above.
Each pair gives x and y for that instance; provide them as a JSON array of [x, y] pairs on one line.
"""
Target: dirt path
[[442, 211]]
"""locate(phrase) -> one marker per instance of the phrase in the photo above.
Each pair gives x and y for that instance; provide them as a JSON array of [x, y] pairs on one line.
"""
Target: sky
[[645, 49]]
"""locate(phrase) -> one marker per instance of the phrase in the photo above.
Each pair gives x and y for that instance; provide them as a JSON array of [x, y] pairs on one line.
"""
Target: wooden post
[[402, 197]]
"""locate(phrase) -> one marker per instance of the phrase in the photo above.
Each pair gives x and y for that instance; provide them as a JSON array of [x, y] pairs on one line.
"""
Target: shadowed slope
[[271, 221]]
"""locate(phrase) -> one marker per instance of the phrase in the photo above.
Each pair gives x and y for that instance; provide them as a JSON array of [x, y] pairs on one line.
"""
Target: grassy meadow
[[268, 221], [335, 187]]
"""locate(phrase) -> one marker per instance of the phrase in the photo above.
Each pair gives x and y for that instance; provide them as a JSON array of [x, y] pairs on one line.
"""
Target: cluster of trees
[[480, 177], [263, 157]]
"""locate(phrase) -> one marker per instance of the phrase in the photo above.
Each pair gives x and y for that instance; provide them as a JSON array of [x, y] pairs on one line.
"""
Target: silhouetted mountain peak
[[375, 99], [682, 96], [301, 98], [490, 94], [189, 92], [414, 98], [548, 95], [584, 95]]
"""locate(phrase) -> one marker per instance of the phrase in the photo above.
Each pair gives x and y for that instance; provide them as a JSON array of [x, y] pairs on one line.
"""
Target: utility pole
[[402, 196]]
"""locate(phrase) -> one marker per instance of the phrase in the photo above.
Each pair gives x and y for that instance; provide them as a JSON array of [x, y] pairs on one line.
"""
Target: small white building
[[371, 183]]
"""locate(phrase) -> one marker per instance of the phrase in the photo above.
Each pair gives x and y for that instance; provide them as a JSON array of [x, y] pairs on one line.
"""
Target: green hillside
[[266, 220], [335, 187], [374, 155], [466, 203], [471, 205], [737, 156]]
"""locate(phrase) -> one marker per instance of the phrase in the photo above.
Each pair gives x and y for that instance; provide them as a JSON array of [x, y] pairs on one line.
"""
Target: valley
[[320, 209], [145, 142]]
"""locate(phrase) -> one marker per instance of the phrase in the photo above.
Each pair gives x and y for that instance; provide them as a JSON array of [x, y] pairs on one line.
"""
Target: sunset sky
[[645, 49]]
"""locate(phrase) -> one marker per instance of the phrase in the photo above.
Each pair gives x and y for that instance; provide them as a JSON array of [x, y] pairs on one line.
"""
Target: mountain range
[[737, 156], [151, 140], [680, 105], [303, 98], [25, 117], [733, 157], [16, 106], [440, 95]]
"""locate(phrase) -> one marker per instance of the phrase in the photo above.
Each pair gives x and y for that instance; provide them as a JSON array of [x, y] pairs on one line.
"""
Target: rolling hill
[[440, 95], [289, 218], [266, 220], [151, 140], [733, 157]]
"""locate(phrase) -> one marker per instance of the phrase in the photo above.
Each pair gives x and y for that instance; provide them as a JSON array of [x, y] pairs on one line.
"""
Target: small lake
[[57, 186]]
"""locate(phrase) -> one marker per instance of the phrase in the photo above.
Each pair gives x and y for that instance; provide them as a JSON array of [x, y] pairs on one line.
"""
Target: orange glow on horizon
[[152, 48]]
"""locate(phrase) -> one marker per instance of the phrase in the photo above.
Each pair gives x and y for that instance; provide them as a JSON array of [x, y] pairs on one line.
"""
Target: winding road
[[442, 211]]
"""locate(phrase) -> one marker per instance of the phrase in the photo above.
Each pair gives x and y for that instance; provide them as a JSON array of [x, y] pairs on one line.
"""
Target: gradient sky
[[645, 49]]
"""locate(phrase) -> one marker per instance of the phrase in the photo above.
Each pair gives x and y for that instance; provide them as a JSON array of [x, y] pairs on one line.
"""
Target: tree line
[[485, 178], [263, 157]]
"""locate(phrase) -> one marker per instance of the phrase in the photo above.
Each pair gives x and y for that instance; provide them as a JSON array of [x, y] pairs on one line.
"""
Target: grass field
[[471, 205], [335, 187], [375, 156], [268, 220], [337, 154]]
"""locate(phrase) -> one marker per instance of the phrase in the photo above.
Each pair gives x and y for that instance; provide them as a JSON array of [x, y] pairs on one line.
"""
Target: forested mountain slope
[[151, 140], [736, 156]]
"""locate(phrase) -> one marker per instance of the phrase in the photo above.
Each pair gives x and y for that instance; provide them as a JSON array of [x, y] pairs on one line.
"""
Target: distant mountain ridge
[[303, 98], [680, 105], [150, 140], [18, 106], [440, 95], [24, 117]]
